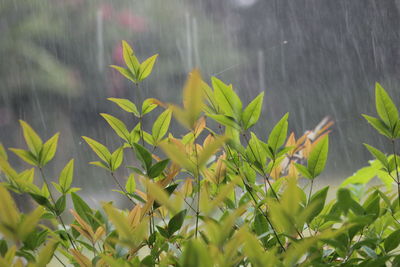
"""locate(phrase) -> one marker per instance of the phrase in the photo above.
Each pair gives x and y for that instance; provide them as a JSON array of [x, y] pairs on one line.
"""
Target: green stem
[[122, 188], [397, 170], [249, 190], [53, 203], [197, 177]]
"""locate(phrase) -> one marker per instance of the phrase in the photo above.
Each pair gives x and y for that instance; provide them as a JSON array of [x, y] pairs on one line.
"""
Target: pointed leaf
[[118, 126], [130, 59], [125, 72], [252, 112], [278, 134], [26, 156], [130, 185], [161, 125], [116, 158], [176, 222], [49, 150], [385, 107], [32, 139], [66, 175], [158, 168], [318, 156], [125, 104], [146, 67], [143, 155], [227, 99], [101, 151]]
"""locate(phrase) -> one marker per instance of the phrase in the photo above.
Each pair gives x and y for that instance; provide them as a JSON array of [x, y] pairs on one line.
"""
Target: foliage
[[217, 196]]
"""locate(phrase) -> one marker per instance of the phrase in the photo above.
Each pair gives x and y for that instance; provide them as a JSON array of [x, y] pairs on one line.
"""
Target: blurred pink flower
[[132, 22]]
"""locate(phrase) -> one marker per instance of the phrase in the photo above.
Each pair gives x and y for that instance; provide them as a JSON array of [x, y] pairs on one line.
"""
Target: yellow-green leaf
[[146, 67], [252, 112], [101, 151], [228, 101], [318, 156], [125, 104], [116, 158], [118, 126], [193, 96], [49, 150], [32, 139], [125, 72], [9, 214], [130, 185], [160, 126], [26, 156], [130, 59], [385, 107], [66, 175], [3, 153]]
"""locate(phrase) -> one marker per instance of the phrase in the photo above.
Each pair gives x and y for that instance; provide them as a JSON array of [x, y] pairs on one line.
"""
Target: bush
[[217, 196]]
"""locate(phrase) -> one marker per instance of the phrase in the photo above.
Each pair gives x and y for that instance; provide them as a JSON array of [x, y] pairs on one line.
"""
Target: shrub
[[217, 196]]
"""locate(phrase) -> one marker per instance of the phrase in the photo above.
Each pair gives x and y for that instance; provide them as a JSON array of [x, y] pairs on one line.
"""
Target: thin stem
[[139, 96], [249, 190], [122, 188], [309, 194], [59, 260], [197, 176], [53, 203], [397, 170]]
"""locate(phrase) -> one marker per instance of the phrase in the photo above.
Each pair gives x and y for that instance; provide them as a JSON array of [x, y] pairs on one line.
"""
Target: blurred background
[[313, 58]]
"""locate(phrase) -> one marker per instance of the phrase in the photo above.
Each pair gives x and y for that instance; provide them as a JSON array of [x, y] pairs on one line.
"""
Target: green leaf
[[130, 185], [3, 154], [60, 205], [255, 152], [209, 95], [318, 156], [130, 59], [143, 155], [161, 125], [392, 241], [82, 208], [126, 105], [378, 155], [46, 254], [225, 120], [261, 226], [379, 125], [303, 170], [148, 105], [26, 156], [116, 158], [176, 222], [278, 134], [252, 112], [146, 67], [49, 150], [125, 72], [158, 168], [317, 203], [32, 139], [100, 164], [228, 101], [101, 151], [385, 107], [66, 175], [118, 126], [41, 200]]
